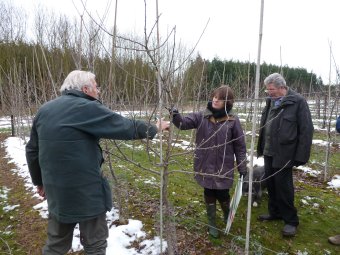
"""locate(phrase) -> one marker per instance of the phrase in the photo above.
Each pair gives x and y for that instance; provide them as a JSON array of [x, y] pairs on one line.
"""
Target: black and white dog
[[259, 184]]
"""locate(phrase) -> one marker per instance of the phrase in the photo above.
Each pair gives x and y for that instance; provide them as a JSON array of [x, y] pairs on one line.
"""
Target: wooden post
[[12, 125]]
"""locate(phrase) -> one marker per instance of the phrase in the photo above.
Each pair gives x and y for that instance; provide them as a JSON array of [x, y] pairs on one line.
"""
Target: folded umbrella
[[235, 200]]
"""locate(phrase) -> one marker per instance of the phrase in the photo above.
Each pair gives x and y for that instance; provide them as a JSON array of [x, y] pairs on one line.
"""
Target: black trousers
[[222, 195], [281, 192]]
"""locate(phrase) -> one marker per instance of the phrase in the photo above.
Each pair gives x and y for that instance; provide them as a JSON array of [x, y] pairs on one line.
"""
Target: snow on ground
[[120, 237], [320, 142], [309, 171], [335, 182]]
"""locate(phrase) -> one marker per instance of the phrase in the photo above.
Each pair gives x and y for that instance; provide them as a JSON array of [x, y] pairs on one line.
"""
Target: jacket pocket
[[288, 130], [107, 194]]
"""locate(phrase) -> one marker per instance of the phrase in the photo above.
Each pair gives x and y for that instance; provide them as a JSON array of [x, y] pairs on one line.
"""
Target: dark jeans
[[93, 235], [281, 192]]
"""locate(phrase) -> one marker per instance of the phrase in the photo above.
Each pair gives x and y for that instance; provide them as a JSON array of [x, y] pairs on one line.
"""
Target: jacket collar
[[289, 98], [78, 93]]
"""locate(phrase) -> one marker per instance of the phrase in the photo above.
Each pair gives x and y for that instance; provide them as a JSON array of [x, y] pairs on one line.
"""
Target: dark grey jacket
[[218, 142], [291, 131], [63, 153]]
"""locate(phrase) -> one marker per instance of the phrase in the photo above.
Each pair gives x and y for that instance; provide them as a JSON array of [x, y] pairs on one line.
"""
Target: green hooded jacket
[[63, 153]]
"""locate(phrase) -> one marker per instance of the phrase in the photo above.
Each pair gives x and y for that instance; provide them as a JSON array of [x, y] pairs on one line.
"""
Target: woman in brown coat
[[219, 141]]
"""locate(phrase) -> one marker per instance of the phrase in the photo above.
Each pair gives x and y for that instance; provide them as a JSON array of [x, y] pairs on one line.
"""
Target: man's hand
[[41, 191], [298, 163], [163, 125]]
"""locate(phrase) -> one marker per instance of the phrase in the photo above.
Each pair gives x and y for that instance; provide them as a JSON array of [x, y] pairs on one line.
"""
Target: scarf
[[218, 113]]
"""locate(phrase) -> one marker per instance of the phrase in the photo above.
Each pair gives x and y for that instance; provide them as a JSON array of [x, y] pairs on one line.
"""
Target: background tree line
[[35, 66], [38, 71]]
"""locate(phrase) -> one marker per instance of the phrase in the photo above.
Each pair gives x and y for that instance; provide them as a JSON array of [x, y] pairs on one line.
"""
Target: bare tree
[[13, 23]]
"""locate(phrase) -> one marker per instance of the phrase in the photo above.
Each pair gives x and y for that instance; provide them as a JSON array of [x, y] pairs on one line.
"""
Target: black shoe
[[289, 230], [265, 217], [334, 240]]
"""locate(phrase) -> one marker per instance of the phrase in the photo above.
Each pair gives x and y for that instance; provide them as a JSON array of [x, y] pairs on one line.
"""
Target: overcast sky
[[302, 29]]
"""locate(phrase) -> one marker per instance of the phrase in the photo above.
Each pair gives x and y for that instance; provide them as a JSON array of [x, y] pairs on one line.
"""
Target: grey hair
[[276, 79], [77, 80]]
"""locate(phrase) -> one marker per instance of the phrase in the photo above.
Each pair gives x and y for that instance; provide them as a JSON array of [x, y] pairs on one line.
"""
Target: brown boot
[[334, 240]]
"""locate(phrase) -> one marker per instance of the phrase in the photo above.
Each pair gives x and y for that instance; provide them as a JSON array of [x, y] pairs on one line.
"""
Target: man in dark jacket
[[285, 141], [64, 159], [336, 239], [337, 124]]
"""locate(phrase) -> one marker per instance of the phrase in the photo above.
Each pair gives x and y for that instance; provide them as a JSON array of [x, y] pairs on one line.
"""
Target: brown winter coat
[[218, 143]]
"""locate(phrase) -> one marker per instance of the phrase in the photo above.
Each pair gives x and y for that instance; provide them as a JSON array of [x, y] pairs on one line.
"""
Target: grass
[[7, 233], [5, 130], [22, 230], [8, 219], [15, 225], [318, 207]]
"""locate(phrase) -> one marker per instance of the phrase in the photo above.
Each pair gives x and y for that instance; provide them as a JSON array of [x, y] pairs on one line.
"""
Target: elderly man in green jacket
[[64, 159]]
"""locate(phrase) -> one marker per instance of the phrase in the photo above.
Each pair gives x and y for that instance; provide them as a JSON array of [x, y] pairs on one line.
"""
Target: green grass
[[140, 199], [8, 245], [5, 130], [317, 222]]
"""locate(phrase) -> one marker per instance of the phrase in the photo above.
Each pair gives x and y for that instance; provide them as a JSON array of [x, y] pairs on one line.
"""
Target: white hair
[[77, 80], [276, 79]]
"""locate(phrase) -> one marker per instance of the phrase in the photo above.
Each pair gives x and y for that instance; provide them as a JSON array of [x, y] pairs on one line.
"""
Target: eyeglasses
[[270, 90], [273, 89]]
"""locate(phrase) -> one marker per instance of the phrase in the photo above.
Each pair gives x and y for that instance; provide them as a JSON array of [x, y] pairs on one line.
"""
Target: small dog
[[258, 184]]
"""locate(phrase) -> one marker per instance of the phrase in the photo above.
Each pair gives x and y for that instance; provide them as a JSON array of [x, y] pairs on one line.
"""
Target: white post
[[159, 81], [253, 135]]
